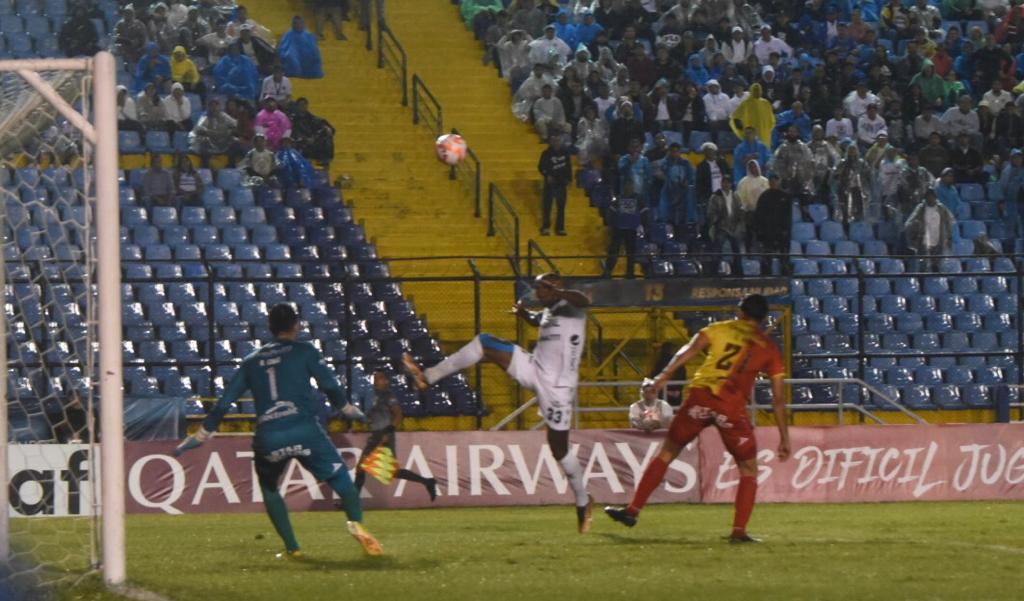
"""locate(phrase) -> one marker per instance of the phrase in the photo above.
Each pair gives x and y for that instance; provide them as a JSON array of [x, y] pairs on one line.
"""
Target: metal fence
[[391, 55], [502, 220], [425, 107], [470, 173]]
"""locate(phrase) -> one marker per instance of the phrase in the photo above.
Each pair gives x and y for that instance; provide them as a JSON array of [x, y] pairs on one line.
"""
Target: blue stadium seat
[[965, 285], [971, 229], [922, 303], [861, 232], [802, 232], [875, 248], [193, 216], [831, 231], [129, 142], [989, 375], [977, 395], [981, 303], [891, 266], [1007, 303], [938, 322], [892, 304], [947, 396], [895, 342], [899, 376], [971, 192], [846, 248], [879, 323], [234, 234], [818, 212], [805, 267], [916, 397], [906, 286], [820, 324], [952, 303], [909, 323], [877, 286], [984, 341], [817, 248], [159, 142], [967, 322], [221, 216], [229, 179], [213, 197], [935, 286], [976, 265], [188, 252], [203, 235], [993, 284], [955, 341], [930, 376], [11, 24], [834, 305], [997, 322]]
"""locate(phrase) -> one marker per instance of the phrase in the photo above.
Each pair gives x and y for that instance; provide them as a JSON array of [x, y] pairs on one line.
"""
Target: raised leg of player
[[342, 484], [653, 475], [745, 495], [558, 441], [483, 347]]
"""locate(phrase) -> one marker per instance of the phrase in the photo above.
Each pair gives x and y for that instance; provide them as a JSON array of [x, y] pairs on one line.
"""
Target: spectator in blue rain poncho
[[153, 68], [236, 75], [299, 52], [293, 170]]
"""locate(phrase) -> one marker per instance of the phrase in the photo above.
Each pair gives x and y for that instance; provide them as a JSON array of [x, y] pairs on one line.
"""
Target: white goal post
[[102, 253]]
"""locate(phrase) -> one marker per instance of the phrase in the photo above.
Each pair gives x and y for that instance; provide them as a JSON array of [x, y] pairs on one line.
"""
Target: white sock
[[574, 472], [467, 356]]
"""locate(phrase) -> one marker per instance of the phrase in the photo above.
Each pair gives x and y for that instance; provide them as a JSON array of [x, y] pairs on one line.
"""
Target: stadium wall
[[829, 464]]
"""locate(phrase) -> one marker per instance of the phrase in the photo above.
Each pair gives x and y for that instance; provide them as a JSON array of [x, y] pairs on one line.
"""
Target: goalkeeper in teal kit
[[278, 374]]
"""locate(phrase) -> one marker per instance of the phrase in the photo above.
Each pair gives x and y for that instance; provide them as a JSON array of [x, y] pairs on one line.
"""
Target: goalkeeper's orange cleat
[[415, 372], [369, 543], [291, 554]]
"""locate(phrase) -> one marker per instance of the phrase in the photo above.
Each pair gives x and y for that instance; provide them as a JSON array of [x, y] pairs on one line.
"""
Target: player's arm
[[778, 376], [575, 298], [697, 345], [396, 416], [525, 314], [236, 388], [328, 383]]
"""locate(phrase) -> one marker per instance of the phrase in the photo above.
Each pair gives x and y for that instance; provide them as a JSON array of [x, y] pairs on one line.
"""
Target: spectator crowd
[[875, 109]]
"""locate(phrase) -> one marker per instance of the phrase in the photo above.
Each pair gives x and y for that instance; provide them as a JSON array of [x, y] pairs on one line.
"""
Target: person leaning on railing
[[649, 413]]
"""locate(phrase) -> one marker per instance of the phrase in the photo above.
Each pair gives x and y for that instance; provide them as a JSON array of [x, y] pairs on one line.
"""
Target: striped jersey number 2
[[272, 378]]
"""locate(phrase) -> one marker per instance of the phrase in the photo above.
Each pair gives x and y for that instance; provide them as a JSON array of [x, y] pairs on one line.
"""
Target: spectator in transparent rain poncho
[[649, 413], [550, 51], [529, 91], [591, 136], [514, 56], [825, 157], [852, 185]]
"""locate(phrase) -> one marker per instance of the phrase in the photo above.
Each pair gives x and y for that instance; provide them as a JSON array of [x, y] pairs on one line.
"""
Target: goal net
[[61, 395]]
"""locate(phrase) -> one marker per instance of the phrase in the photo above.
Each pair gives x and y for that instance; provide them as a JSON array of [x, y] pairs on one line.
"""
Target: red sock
[[744, 503], [652, 477]]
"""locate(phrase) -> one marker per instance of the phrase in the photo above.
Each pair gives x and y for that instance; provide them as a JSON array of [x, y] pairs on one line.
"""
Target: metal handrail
[[421, 93], [387, 43], [496, 198], [477, 175]]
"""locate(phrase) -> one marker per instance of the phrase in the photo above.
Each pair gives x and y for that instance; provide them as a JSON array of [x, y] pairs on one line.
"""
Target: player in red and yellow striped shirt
[[737, 351]]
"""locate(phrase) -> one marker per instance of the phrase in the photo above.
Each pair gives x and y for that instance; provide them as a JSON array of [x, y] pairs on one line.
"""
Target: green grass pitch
[[887, 552]]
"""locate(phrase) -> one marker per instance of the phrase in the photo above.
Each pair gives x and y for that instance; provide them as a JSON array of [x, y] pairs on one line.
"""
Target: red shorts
[[702, 409]]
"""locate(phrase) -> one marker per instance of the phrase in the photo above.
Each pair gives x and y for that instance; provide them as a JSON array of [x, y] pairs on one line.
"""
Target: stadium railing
[[472, 172], [390, 54], [503, 220], [841, 406], [425, 107]]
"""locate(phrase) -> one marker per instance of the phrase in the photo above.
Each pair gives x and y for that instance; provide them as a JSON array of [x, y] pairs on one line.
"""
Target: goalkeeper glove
[[193, 441], [353, 413]]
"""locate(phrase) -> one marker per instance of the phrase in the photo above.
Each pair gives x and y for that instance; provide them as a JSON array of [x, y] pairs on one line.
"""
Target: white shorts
[[555, 402]]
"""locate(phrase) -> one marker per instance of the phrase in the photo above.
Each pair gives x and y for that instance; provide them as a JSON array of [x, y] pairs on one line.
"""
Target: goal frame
[[102, 136]]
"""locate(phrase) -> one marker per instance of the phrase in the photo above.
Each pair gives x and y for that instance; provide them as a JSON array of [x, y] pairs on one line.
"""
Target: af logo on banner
[[50, 480]]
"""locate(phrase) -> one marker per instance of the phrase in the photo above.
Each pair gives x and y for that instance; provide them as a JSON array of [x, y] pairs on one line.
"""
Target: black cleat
[[739, 539], [431, 485], [621, 515]]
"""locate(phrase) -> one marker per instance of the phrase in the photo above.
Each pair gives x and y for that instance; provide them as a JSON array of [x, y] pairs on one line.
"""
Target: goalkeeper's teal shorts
[[305, 441]]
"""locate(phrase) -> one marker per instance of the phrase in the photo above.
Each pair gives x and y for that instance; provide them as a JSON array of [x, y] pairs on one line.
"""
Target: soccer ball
[[451, 149]]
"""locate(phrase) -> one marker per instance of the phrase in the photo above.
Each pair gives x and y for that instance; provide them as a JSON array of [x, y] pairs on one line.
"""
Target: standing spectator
[[962, 119], [925, 125], [514, 56], [157, 184], [693, 115], [667, 108], [178, 109], [1009, 127], [966, 162], [767, 44], [635, 172], [888, 175], [933, 155], [260, 161], [257, 49], [160, 33], [649, 413], [774, 222], [214, 134], [556, 167], [839, 126], [153, 68], [277, 86], [709, 177], [313, 136], [127, 117], [150, 109], [727, 223], [933, 88], [852, 185], [737, 50], [129, 36], [623, 129], [754, 111], [591, 136], [717, 108], [624, 219], [869, 126], [675, 173], [299, 52], [749, 149], [184, 72], [929, 230], [826, 159], [236, 75], [949, 195], [750, 189], [330, 11], [794, 164], [273, 123], [177, 13], [188, 186], [915, 180], [78, 35], [1011, 183], [548, 114], [794, 117]]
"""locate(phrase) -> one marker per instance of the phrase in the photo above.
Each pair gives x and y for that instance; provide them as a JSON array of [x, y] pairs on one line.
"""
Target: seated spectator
[[299, 52], [966, 162], [591, 136], [528, 17], [244, 114], [774, 221], [548, 114], [313, 136], [278, 87], [188, 186], [869, 126], [929, 230], [214, 134], [157, 184], [962, 119], [153, 68], [127, 117], [78, 35], [257, 49], [194, 29], [796, 117], [514, 56], [876, 150], [949, 195], [329, 11], [1009, 127], [241, 22], [178, 109], [215, 43], [925, 125], [933, 88], [160, 32], [236, 75], [150, 109], [273, 123], [184, 72], [177, 13], [839, 126], [649, 413], [130, 36], [261, 161], [293, 170], [933, 155], [550, 51]]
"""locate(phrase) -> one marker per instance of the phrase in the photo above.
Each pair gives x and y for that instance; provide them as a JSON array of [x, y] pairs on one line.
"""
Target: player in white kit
[[551, 371]]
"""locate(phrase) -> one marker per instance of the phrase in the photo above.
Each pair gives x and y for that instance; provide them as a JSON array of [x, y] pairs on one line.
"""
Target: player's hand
[[351, 412], [660, 381], [192, 442], [783, 452]]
